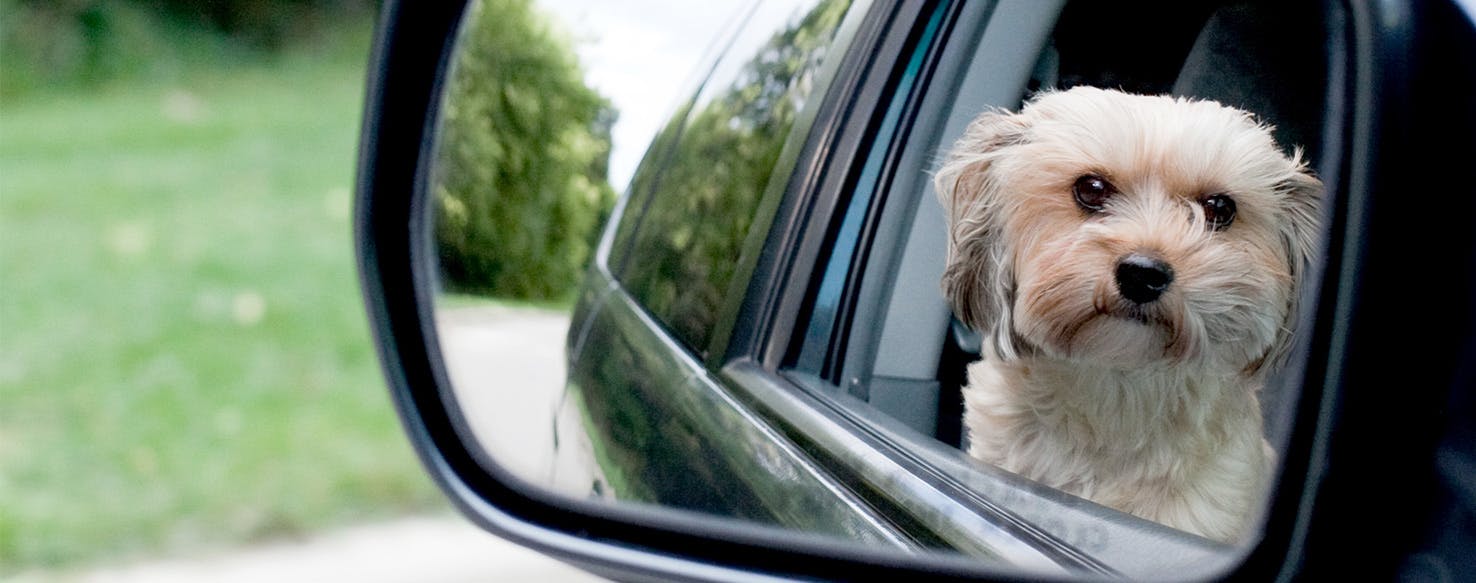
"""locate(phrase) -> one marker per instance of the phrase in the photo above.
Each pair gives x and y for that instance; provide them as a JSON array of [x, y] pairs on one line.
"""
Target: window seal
[[821, 347]]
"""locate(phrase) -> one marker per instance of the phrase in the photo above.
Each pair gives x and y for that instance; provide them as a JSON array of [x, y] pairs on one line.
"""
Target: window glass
[[641, 184], [687, 238]]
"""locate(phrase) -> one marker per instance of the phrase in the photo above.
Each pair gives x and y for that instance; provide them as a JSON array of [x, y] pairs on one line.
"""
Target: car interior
[[907, 355]]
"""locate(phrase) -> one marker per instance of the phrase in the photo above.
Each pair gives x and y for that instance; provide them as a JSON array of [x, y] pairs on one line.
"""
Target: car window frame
[[816, 409]]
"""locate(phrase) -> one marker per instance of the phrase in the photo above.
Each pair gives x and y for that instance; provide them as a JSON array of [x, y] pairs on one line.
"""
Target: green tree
[[82, 43], [520, 172]]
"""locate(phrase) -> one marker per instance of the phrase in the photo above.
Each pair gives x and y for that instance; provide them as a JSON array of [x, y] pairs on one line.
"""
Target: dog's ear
[[1301, 234], [978, 281]]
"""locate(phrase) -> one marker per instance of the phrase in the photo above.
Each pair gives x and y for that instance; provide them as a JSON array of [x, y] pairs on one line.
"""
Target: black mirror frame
[[1335, 500]]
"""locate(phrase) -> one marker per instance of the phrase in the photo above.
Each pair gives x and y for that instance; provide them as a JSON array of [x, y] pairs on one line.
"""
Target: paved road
[[508, 374], [445, 549], [507, 369]]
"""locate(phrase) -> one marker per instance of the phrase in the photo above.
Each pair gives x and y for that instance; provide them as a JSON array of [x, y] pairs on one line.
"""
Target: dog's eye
[[1092, 192], [1219, 210]]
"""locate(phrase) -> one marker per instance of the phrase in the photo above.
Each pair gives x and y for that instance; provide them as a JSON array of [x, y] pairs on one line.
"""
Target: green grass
[[184, 358]]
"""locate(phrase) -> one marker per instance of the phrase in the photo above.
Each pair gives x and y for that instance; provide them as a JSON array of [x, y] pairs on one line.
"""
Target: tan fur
[[1149, 409]]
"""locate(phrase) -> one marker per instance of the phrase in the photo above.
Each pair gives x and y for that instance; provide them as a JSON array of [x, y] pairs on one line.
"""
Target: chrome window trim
[[753, 448], [983, 511]]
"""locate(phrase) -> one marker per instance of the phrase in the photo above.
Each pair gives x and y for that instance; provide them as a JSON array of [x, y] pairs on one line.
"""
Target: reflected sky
[[642, 55]]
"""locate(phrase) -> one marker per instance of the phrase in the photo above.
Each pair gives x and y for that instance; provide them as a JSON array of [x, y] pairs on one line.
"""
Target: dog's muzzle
[[1141, 279]]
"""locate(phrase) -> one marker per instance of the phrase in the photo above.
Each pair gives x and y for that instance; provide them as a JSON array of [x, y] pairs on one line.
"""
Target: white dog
[[1134, 264]]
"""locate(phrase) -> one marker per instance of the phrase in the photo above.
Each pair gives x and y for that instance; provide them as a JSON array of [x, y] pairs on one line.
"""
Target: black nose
[[1141, 279]]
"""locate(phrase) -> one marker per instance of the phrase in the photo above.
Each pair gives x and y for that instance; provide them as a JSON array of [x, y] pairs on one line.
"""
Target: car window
[[876, 334], [685, 238], [896, 346]]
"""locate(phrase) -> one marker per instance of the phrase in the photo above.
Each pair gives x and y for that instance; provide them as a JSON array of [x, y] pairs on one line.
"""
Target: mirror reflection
[[932, 278], [518, 188]]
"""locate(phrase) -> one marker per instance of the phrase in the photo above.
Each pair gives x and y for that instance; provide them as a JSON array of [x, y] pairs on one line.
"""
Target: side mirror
[[753, 382]]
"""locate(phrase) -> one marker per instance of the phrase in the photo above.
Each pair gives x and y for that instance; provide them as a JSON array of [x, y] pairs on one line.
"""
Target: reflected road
[[507, 370]]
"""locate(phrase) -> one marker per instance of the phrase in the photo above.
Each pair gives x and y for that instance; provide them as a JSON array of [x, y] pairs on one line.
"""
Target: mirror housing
[[1409, 86]]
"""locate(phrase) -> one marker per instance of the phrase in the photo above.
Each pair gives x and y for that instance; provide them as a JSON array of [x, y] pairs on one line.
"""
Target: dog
[[1133, 263]]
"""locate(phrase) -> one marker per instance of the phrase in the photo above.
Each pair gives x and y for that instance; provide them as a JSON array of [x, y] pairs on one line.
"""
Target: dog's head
[[1128, 230]]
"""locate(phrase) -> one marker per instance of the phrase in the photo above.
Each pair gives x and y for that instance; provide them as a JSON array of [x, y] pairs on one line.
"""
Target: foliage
[[47, 44], [266, 23], [520, 175], [70, 43]]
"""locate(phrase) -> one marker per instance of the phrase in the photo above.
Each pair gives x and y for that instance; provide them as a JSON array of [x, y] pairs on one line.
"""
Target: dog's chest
[[1138, 445]]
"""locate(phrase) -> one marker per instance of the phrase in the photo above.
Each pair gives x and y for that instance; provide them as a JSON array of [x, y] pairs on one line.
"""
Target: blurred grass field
[[184, 357]]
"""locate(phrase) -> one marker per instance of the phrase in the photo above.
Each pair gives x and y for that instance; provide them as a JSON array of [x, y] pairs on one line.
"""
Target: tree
[[519, 176]]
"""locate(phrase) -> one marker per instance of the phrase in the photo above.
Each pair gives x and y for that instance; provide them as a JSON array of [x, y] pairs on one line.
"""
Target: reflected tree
[[519, 181]]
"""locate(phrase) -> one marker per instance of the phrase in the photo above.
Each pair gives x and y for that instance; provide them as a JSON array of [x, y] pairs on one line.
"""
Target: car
[[763, 377]]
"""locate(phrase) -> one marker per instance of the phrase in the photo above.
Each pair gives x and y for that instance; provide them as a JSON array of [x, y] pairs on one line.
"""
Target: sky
[[643, 56]]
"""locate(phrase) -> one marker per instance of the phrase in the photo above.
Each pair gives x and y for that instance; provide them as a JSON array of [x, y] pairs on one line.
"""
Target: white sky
[[642, 55]]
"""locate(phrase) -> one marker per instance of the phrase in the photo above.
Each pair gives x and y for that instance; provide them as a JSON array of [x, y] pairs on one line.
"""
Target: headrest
[[1268, 59]]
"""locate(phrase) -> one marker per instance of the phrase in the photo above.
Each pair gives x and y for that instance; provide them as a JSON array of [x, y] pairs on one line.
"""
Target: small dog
[[1133, 262]]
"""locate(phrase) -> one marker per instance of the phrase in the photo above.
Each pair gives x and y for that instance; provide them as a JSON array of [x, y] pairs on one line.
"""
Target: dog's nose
[[1141, 279]]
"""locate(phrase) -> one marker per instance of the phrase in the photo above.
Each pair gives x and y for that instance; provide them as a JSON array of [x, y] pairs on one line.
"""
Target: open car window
[[876, 342]]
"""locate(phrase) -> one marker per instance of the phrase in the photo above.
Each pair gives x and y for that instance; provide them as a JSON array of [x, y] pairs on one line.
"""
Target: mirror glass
[[600, 194], [546, 106]]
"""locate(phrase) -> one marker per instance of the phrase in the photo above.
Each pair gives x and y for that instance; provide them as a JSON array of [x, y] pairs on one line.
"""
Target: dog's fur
[[1151, 409]]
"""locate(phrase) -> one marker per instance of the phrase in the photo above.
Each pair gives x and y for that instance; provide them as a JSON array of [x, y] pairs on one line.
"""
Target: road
[[507, 371], [442, 549]]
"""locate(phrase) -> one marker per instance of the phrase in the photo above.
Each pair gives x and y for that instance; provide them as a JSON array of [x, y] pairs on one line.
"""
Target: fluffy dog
[[1133, 262]]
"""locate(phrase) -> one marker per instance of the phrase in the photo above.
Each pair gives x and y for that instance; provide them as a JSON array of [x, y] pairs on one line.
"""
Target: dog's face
[[1128, 230]]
